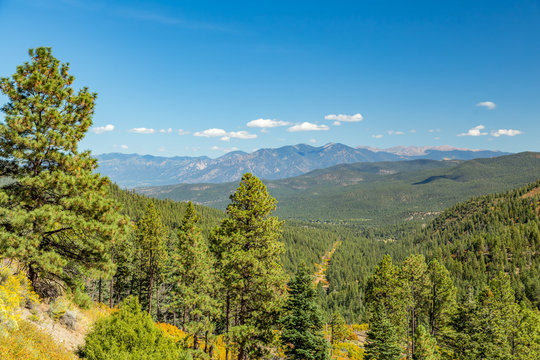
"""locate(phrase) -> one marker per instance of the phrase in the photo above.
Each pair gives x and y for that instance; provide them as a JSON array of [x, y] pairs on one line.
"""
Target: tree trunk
[[150, 285], [227, 311], [111, 301], [99, 290]]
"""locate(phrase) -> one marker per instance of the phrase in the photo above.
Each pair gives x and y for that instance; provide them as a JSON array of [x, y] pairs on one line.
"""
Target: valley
[[374, 193]]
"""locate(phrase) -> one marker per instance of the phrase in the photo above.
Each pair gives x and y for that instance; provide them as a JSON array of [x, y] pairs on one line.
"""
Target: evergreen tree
[[385, 288], [382, 340], [55, 214], [150, 239], [441, 299], [248, 251], [527, 340], [426, 345], [416, 283], [338, 328], [193, 278], [302, 322]]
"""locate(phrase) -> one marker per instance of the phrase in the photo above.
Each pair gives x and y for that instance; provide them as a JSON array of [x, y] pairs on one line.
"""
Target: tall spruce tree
[[55, 214], [248, 248], [193, 276], [302, 323], [385, 288], [150, 239], [338, 328], [382, 339], [441, 299], [426, 345], [416, 283]]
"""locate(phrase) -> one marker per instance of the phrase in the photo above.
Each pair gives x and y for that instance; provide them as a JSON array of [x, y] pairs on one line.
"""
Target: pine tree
[[426, 345], [193, 278], [385, 288], [441, 299], [302, 322], [414, 274], [382, 340], [55, 214], [150, 239], [338, 328], [248, 251]]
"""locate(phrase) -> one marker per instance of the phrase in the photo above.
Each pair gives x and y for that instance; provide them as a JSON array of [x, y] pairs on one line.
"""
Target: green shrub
[[128, 334], [58, 308], [82, 299]]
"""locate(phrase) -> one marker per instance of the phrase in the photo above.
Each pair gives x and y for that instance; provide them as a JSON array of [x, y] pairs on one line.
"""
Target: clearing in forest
[[320, 274]]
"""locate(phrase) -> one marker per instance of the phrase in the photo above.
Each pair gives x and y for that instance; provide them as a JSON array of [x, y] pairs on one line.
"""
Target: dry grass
[[30, 343], [532, 193]]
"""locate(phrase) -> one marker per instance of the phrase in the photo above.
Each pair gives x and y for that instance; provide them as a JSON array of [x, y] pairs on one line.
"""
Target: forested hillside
[[475, 240]]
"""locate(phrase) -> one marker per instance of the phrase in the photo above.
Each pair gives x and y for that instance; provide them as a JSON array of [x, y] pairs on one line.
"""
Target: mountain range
[[134, 170], [379, 192]]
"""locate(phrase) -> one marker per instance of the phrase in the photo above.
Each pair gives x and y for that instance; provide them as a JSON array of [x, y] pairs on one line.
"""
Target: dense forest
[[183, 281]]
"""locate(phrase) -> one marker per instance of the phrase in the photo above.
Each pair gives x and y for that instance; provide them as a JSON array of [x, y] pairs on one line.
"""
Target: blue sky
[[204, 77]]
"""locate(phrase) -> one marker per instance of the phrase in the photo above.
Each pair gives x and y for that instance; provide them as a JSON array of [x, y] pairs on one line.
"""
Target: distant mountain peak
[[420, 150], [133, 170]]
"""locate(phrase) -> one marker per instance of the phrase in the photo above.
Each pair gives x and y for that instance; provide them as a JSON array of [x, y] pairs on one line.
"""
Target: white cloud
[[392, 132], [225, 150], [434, 130], [475, 131], [225, 136], [102, 129], [241, 135], [336, 123], [490, 105], [412, 131], [345, 118], [313, 141], [142, 131], [183, 132], [507, 132], [307, 126], [211, 133], [378, 136], [123, 146], [267, 123], [163, 131]]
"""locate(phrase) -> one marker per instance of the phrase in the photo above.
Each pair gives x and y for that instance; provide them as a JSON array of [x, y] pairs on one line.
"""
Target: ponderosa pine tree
[[247, 247], [150, 237], [302, 323], [193, 279], [55, 214]]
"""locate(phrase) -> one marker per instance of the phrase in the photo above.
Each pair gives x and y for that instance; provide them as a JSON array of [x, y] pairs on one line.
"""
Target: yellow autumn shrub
[[15, 291], [347, 351]]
